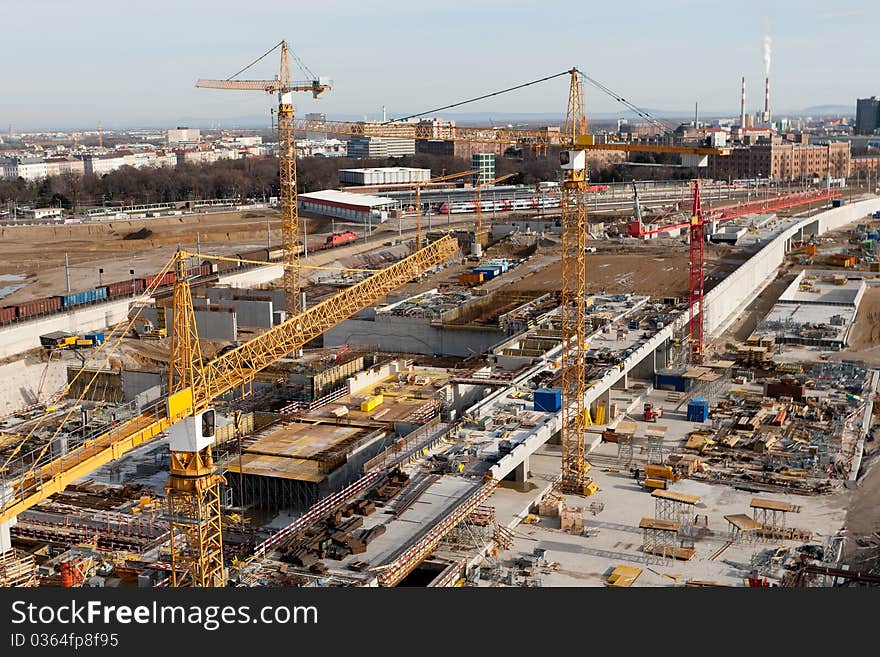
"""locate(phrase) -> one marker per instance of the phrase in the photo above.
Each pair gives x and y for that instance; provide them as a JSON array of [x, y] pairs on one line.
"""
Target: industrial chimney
[[767, 100], [742, 105]]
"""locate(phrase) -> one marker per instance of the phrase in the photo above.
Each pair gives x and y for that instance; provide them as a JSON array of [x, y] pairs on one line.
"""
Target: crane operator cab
[[576, 160], [194, 433]]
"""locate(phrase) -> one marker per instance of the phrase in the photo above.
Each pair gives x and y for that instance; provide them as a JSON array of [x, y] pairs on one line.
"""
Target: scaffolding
[[625, 450], [655, 450], [659, 540], [474, 532], [17, 569], [677, 507], [742, 530], [771, 516]]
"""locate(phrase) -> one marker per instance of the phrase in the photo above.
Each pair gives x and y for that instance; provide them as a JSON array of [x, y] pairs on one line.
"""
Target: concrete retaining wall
[[412, 335], [19, 383], [218, 324], [252, 313], [359, 383], [739, 289], [135, 383], [258, 276], [23, 336]]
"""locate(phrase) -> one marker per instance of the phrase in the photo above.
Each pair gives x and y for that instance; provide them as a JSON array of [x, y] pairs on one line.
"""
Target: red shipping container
[[38, 307]]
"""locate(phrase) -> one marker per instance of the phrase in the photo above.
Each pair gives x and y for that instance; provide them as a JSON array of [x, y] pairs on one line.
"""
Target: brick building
[[865, 164], [783, 160]]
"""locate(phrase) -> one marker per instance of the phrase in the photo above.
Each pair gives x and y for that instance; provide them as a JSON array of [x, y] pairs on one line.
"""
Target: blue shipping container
[[666, 381], [698, 409], [873, 235], [487, 272], [548, 399], [96, 338]]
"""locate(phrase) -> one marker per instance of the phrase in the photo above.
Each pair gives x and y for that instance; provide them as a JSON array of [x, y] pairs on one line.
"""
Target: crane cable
[[299, 62], [261, 57], [623, 101], [665, 127], [483, 97], [57, 396]]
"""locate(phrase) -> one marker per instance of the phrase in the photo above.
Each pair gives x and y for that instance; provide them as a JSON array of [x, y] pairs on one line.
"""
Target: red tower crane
[[695, 298]]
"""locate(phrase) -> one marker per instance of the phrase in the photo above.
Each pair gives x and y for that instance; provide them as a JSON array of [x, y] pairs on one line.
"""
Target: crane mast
[[284, 87], [193, 488], [287, 190], [574, 297], [479, 238], [419, 185]]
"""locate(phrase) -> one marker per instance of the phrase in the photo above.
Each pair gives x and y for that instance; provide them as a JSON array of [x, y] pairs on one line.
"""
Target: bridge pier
[[521, 472]]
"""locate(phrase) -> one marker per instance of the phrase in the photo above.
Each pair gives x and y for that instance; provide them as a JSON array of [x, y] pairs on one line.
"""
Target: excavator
[[148, 329]]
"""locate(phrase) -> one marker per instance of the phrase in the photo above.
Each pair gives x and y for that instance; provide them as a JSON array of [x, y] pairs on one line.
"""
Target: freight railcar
[[125, 288], [38, 307], [83, 297], [7, 314]]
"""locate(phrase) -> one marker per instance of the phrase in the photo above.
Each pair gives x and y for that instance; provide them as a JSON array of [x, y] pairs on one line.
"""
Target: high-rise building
[[484, 163], [380, 147], [867, 115]]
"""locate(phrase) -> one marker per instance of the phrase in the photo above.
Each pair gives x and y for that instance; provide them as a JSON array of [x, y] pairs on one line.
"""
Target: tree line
[[258, 178]]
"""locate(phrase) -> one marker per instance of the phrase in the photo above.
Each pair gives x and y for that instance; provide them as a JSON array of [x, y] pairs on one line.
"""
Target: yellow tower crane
[[187, 415], [573, 318], [479, 236], [419, 185], [573, 311], [284, 87]]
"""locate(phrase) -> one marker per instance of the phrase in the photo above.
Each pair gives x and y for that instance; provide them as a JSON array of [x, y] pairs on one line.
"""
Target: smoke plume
[[767, 50]]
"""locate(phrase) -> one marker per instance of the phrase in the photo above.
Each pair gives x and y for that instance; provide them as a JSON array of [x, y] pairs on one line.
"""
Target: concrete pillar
[[521, 472], [5, 538], [606, 402]]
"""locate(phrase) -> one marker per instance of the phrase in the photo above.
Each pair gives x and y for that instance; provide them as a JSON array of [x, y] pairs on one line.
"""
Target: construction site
[[673, 399]]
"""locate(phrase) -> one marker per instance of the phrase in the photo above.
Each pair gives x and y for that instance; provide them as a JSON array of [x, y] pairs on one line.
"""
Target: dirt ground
[[38, 251], [866, 331], [656, 272], [862, 516]]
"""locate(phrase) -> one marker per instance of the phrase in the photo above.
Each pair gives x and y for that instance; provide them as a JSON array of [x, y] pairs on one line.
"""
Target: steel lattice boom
[[235, 369]]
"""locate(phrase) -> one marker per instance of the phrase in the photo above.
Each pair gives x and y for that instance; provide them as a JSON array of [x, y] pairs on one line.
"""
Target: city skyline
[[372, 55]]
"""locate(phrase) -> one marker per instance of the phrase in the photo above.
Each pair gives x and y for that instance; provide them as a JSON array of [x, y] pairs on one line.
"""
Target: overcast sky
[[134, 62]]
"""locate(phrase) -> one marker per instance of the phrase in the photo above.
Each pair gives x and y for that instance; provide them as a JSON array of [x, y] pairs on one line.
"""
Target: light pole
[[305, 240]]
